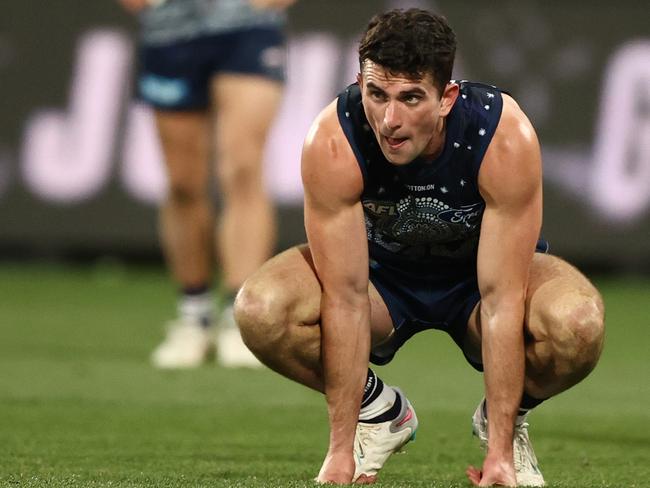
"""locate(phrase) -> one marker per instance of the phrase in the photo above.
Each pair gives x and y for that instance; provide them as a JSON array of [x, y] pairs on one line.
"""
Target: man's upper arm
[[333, 212], [510, 181]]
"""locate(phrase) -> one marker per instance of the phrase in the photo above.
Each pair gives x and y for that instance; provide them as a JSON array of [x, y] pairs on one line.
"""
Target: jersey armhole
[[345, 120], [487, 137]]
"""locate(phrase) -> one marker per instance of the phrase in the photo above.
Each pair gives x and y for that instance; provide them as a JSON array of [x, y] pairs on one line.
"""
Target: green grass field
[[80, 405]]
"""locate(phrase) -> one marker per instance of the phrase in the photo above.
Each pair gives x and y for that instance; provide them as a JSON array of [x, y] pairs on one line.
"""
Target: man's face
[[406, 114]]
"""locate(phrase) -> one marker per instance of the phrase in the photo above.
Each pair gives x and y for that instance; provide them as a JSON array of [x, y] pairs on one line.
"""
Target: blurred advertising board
[[80, 165]]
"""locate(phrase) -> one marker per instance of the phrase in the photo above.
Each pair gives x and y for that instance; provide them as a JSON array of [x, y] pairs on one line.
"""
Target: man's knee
[[184, 193], [575, 328], [261, 314], [239, 168]]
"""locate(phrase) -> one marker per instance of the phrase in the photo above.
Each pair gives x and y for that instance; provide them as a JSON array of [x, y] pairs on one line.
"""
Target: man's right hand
[[337, 468]]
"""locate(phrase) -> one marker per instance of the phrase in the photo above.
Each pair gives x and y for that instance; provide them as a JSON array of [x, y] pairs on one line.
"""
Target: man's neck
[[438, 140]]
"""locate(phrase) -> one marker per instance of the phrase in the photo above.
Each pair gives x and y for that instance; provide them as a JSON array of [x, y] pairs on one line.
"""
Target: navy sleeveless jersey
[[425, 214]]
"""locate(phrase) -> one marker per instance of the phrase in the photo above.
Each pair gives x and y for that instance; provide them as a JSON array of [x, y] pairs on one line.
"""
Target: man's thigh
[[245, 107], [184, 141], [291, 278], [552, 283], [246, 91]]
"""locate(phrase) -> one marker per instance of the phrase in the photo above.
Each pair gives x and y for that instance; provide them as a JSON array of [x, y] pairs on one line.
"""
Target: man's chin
[[400, 155], [396, 158]]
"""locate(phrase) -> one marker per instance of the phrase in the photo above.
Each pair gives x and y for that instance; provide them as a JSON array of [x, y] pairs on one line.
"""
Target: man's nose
[[392, 118]]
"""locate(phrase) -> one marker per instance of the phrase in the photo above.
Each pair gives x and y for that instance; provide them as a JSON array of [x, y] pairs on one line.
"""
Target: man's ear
[[448, 98], [360, 80]]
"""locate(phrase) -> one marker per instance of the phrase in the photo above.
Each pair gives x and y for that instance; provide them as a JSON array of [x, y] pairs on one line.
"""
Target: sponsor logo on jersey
[[421, 187]]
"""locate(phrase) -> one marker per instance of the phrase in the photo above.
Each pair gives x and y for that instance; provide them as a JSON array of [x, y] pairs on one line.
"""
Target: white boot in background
[[231, 350], [188, 344], [189, 341]]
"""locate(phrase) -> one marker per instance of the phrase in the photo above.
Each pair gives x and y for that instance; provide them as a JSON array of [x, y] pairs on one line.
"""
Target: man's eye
[[412, 99]]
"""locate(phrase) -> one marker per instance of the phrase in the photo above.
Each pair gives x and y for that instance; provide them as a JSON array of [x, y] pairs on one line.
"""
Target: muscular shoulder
[[328, 162], [511, 167]]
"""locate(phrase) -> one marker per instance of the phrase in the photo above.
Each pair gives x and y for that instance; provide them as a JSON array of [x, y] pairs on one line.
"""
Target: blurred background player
[[213, 70]]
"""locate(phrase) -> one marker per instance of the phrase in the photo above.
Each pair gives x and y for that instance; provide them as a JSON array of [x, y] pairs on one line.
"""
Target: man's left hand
[[495, 472]]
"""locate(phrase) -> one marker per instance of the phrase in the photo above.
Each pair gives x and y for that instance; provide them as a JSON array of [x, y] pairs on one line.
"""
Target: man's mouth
[[395, 142]]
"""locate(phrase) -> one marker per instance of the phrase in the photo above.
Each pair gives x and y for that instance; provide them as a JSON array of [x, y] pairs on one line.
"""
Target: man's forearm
[[504, 363], [345, 347]]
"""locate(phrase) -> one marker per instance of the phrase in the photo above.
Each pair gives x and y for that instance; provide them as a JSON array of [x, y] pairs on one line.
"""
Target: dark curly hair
[[413, 42]]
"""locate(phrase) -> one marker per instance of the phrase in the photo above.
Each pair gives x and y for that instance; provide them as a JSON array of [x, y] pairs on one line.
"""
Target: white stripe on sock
[[379, 405]]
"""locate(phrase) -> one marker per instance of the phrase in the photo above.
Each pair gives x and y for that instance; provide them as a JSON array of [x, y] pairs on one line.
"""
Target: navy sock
[[194, 290], [526, 405], [196, 302], [374, 387], [376, 391]]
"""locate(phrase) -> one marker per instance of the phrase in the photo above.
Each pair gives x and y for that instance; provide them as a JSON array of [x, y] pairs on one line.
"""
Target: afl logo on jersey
[[379, 208]]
